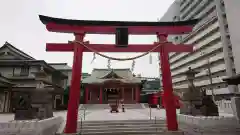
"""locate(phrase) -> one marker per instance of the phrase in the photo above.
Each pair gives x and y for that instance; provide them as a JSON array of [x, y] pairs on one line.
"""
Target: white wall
[[42, 127], [201, 125], [225, 106]]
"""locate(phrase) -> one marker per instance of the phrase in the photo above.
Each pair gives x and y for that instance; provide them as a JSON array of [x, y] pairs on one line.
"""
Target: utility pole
[[210, 78]]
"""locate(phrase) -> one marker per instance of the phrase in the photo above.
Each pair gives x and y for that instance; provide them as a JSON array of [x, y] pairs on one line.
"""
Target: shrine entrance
[[107, 85], [112, 95], [121, 29]]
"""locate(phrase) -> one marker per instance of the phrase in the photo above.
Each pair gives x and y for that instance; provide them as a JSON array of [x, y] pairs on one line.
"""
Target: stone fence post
[[235, 102]]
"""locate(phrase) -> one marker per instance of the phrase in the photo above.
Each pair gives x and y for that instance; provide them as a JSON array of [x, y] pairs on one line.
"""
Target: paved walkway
[[130, 114], [106, 115]]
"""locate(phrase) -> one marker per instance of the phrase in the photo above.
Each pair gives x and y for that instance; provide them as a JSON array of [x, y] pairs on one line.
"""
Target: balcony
[[197, 54], [198, 37], [202, 83], [190, 8], [184, 5], [200, 8], [207, 16], [214, 69]]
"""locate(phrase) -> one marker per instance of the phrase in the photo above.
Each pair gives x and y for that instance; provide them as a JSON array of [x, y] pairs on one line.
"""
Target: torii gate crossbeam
[[69, 47]]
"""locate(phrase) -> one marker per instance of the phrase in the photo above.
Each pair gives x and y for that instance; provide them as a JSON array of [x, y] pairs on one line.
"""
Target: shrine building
[[109, 85], [21, 75]]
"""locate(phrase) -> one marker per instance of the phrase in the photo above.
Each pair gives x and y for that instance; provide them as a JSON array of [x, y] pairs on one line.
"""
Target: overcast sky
[[20, 26]]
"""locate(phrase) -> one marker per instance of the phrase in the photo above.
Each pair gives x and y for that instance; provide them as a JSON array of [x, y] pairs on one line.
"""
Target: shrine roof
[[102, 75], [151, 85], [31, 63], [17, 51], [47, 19], [234, 80], [60, 66]]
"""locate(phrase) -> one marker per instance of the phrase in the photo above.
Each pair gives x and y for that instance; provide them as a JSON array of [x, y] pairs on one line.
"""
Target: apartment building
[[212, 45]]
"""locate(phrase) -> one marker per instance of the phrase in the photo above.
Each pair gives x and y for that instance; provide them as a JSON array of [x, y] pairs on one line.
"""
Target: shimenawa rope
[[119, 59]]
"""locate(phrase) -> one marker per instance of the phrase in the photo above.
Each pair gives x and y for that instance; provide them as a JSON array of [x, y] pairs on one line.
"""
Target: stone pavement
[[104, 114], [100, 115], [6, 117], [130, 114]]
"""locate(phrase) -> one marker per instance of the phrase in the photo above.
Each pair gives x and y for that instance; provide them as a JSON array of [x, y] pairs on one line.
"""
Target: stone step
[[121, 126], [122, 121], [133, 132], [114, 129], [133, 106], [106, 106], [95, 106]]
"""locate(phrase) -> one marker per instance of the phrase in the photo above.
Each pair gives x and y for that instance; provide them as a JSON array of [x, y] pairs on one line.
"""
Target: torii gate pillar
[[171, 115], [72, 114]]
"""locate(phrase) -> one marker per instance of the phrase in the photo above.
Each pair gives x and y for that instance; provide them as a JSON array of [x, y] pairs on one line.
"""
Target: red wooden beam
[[179, 48], [137, 30], [56, 47]]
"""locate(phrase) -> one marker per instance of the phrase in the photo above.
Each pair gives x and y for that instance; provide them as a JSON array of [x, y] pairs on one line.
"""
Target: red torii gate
[[81, 27]]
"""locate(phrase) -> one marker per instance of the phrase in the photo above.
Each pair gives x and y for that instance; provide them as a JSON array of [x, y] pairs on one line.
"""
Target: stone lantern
[[192, 97], [191, 75], [41, 97]]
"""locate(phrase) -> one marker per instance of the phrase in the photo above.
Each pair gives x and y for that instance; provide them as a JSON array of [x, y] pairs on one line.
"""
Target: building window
[[24, 71]]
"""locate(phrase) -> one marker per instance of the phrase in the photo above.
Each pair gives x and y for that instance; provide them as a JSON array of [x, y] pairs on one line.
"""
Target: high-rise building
[[213, 40]]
